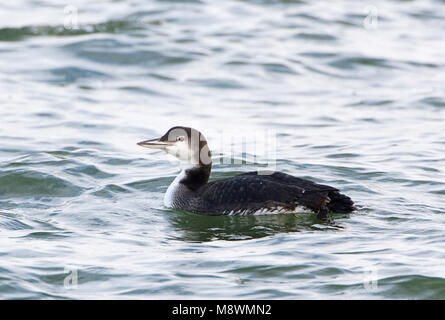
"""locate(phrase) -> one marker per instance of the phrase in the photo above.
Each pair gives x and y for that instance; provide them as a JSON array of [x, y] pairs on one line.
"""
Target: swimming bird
[[243, 194]]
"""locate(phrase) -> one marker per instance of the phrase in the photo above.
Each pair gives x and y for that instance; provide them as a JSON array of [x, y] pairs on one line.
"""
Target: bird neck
[[195, 176]]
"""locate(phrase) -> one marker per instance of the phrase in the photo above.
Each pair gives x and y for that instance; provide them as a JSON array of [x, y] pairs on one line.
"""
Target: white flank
[[277, 210], [173, 187]]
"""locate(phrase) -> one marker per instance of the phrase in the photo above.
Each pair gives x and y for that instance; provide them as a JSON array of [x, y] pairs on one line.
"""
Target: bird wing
[[284, 178], [250, 192]]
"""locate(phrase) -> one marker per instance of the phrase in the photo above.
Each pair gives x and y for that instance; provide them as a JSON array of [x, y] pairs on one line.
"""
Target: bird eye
[[180, 138]]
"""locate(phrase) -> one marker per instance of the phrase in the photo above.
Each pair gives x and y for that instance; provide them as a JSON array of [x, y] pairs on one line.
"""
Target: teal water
[[354, 92]]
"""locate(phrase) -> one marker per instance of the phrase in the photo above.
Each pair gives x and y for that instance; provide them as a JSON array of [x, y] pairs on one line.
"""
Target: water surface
[[354, 92]]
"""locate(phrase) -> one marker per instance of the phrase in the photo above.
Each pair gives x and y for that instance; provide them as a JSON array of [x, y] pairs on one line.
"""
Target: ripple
[[110, 51], [192, 227], [315, 36], [267, 271], [68, 75], [47, 235], [12, 223], [219, 83], [439, 192], [342, 155], [89, 170], [278, 67], [408, 286], [357, 62], [437, 102], [149, 185], [18, 183], [17, 34], [110, 190]]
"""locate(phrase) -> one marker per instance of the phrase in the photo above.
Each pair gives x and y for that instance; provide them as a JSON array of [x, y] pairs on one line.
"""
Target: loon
[[244, 194]]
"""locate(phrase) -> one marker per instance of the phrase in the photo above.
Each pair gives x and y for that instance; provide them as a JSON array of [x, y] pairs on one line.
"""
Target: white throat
[[174, 186]]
